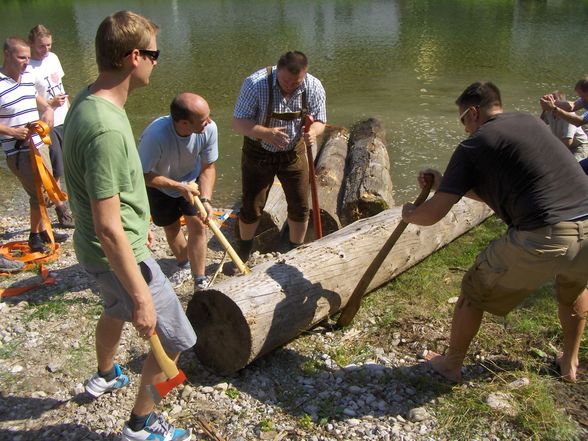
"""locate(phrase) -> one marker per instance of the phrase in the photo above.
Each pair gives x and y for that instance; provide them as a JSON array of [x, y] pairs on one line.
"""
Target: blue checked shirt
[[253, 99]]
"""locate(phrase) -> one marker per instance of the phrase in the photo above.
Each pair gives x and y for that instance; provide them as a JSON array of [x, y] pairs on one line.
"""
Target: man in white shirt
[[20, 105]]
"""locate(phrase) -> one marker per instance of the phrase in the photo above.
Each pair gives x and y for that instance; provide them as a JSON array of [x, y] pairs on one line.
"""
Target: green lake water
[[403, 61]]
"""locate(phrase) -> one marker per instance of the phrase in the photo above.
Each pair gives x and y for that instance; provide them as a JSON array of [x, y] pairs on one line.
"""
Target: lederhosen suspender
[[284, 116], [253, 148]]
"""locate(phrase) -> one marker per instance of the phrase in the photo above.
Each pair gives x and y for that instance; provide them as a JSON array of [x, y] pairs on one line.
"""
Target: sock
[[136, 423], [198, 278], [244, 249], [108, 375]]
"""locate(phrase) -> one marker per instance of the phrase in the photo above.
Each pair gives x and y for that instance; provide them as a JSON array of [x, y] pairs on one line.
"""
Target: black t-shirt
[[521, 170]]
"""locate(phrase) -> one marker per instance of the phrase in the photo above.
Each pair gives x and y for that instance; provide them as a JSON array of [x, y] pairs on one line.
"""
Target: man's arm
[[431, 211], [570, 117], [276, 136], [118, 251], [316, 129], [19, 133], [206, 182], [45, 110], [562, 109], [159, 181]]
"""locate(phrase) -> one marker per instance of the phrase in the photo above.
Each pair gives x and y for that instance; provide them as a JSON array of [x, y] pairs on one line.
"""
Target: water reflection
[[403, 61]]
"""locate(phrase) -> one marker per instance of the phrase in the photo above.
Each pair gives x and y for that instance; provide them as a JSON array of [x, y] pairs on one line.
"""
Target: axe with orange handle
[[174, 375]]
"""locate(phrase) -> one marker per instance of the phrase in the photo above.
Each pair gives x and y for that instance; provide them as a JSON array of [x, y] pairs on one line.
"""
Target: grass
[[57, 306]]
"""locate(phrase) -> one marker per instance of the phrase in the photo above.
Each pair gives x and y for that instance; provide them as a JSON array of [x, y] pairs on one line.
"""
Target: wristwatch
[[204, 200]]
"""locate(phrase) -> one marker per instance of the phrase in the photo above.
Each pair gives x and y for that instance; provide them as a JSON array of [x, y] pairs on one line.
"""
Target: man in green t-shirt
[[109, 201]]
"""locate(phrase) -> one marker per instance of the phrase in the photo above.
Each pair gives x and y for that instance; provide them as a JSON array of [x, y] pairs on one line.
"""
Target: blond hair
[[118, 35], [38, 31]]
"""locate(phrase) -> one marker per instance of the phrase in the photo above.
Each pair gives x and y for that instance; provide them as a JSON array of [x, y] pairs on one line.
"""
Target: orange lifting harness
[[19, 250]]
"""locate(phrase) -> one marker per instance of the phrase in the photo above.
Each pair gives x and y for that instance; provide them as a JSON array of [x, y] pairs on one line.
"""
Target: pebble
[[418, 414], [520, 383]]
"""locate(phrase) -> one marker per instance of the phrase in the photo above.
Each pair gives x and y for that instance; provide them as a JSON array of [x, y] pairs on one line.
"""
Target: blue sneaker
[[97, 385], [156, 429]]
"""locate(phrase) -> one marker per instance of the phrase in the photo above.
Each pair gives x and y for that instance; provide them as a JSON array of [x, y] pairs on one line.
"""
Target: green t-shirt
[[101, 161]]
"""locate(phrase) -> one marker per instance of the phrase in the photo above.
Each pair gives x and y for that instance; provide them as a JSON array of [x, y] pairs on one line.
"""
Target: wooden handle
[[316, 210], [166, 364], [220, 236], [354, 301]]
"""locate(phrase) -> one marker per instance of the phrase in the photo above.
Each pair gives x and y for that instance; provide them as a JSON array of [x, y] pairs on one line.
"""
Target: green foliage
[[266, 425], [311, 366], [232, 393], [306, 421]]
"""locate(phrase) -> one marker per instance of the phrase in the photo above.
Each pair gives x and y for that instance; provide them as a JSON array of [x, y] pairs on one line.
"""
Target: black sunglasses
[[154, 55]]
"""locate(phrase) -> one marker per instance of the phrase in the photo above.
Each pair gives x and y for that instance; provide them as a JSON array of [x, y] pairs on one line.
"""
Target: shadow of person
[[71, 278], [14, 408], [57, 432]]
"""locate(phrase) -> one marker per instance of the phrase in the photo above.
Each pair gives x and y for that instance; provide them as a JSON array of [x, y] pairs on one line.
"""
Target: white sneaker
[[178, 278], [201, 283], [97, 385], [158, 429]]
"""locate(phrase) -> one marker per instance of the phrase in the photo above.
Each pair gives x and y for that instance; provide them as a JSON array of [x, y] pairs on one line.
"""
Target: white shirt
[[48, 82]]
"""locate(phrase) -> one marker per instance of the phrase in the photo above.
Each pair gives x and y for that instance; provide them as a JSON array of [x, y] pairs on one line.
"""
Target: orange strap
[[46, 280], [44, 179], [20, 250]]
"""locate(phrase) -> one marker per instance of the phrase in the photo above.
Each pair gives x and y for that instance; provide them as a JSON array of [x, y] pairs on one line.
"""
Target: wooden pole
[[220, 236], [354, 302], [316, 211]]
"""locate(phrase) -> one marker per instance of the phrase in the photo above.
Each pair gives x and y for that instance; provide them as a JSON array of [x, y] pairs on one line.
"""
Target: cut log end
[[224, 337]]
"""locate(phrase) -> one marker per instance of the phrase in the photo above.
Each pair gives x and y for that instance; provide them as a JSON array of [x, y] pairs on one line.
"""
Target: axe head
[[160, 390]]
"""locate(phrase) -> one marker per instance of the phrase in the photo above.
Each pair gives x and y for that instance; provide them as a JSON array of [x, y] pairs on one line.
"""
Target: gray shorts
[[173, 327]]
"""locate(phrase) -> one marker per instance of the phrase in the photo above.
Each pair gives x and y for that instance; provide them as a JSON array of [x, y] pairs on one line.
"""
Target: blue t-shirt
[[580, 104], [164, 152]]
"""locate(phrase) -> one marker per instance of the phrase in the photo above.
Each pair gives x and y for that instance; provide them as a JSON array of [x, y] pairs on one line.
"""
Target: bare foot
[[439, 364], [567, 368]]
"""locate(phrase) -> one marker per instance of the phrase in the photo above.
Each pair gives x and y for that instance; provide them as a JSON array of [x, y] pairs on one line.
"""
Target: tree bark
[[330, 171], [368, 185], [245, 317]]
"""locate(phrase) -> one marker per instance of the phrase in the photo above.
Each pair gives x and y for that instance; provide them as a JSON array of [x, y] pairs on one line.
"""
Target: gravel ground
[[299, 392]]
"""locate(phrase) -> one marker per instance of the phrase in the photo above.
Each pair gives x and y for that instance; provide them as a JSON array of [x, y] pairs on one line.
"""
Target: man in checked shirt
[[270, 113]]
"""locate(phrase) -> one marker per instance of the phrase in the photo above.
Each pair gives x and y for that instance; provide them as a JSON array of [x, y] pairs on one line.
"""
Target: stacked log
[[353, 182], [245, 317], [368, 185]]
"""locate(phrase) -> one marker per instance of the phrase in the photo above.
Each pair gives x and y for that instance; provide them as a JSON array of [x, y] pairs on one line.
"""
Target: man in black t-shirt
[[513, 163]]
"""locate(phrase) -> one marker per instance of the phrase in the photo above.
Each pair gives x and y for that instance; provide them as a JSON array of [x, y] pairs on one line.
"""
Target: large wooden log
[[244, 317], [368, 185], [330, 169]]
